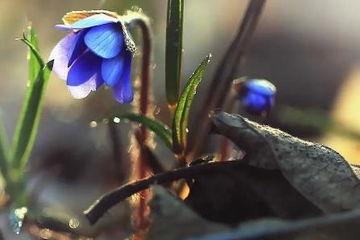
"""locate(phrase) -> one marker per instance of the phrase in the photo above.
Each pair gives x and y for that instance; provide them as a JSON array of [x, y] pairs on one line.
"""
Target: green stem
[[4, 158], [10, 185], [173, 53]]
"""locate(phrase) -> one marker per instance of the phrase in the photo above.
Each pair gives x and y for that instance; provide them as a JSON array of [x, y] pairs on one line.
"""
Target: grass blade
[[159, 128], [27, 126], [181, 117], [173, 55], [28, 122], [35, 61], [4, 150]]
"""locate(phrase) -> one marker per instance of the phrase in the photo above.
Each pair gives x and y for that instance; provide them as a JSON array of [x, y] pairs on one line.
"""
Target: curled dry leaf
[[319, 173]]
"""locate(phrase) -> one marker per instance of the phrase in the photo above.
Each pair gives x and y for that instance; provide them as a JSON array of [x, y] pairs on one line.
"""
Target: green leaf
[[27, 126], [173, 55], [181, 118], [4, 150], [34, 59], [159, 128]]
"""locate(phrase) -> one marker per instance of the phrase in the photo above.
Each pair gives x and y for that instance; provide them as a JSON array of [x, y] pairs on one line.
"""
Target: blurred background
[[308, 49]]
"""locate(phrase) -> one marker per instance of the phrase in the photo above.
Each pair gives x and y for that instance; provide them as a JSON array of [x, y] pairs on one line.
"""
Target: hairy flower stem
[[144, 107]]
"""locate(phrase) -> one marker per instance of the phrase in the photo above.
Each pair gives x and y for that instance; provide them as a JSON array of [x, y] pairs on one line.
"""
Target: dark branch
[[226, 73], [104, 203]]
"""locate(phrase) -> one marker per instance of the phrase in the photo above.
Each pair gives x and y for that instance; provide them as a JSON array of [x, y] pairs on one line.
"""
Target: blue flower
[[97, 51], [258, 95]]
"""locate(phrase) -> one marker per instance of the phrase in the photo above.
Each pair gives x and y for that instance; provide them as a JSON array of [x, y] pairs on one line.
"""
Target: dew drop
[[74, 223], [157, 110], [93, 124], [17, 217], [105, 121], [45, 233], [116, 120], [136, 9]]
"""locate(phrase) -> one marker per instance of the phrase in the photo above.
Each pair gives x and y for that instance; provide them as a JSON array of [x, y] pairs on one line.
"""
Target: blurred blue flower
[[95, 52], [258, 95]]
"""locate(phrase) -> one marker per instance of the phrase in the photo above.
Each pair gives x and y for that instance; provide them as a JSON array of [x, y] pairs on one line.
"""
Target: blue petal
[[258, 103], [60, 55], [105, 41], [85, 88], [78, 47], [84, 68], [112, 70], [123, 91], [255, 101], [92, 21], [261, 86]]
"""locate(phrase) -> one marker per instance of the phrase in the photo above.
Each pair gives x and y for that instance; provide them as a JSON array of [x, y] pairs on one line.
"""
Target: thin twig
[[152, 162], [104, 203], [224, 75], [117, 151]]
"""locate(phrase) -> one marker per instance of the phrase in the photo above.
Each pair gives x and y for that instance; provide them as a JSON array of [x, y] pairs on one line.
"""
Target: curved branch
[[104, 203]]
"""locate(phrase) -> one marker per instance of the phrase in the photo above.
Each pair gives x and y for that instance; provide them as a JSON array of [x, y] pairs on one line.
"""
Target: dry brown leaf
[[173, 220], [74, 16], [319, 173]]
